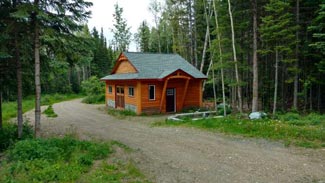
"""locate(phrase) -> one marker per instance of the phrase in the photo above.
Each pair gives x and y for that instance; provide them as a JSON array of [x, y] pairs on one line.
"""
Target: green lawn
[[9, 109], [290, 128]]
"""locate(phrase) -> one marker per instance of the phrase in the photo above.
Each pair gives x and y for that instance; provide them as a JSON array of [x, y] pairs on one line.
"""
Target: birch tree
[[220, 58], [240, 105]]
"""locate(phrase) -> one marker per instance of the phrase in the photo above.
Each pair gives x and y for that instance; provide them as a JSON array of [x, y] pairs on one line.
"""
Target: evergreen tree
[[121, 31], [278, 33], [143, 36]]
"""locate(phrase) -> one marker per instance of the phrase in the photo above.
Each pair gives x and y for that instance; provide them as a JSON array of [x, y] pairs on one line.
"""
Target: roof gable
[[123, 65]]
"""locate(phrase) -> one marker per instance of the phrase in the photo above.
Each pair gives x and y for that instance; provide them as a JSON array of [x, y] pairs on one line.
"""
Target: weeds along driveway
[[178, 154]]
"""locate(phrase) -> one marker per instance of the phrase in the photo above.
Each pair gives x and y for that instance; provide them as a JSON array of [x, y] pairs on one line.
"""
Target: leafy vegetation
[[306, 131], [48, 160], [49, 112], [121, 113], [8, 135], [94, 89], [65, 160]]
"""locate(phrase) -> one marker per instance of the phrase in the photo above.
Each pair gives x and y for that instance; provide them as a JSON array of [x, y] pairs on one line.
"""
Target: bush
[[49, 112], [315, 119], [9, 134], [220, 109], [93, 86], [94, 89], [290, 116]]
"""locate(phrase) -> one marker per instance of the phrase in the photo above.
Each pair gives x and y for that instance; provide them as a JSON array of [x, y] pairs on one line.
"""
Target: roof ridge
[[152, 53]]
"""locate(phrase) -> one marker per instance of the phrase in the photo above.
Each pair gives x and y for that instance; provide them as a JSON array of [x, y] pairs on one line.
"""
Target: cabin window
[[131, 91], [152, 95], [110, 89]]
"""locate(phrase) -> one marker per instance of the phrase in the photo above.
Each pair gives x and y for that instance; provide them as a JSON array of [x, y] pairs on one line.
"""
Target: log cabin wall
[[151, 106], [131, 102]]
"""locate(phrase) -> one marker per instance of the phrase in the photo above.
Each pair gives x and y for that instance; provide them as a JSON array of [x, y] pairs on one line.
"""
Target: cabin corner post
[[201, 93], [106, 93], [139, 96]]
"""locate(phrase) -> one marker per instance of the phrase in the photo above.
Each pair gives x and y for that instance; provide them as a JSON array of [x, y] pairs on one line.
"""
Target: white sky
[[134, 11]]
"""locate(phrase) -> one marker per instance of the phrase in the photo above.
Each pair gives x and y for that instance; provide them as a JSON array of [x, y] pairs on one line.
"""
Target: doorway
[[170, 100], [119, 97]]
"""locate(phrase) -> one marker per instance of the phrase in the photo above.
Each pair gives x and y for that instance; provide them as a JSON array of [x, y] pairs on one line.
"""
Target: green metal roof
[[155, 66]]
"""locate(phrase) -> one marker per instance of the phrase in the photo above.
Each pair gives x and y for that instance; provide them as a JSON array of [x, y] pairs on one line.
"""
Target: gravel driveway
[[178, 154]]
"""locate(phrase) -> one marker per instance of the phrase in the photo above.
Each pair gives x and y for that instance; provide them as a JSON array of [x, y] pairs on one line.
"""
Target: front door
[[119, 97], [170, 100]]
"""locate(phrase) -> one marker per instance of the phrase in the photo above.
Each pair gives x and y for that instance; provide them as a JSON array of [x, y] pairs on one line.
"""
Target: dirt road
[[170, 154]]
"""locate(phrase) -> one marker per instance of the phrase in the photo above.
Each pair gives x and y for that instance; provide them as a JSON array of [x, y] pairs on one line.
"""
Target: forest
[[265, 55], [259, 55]]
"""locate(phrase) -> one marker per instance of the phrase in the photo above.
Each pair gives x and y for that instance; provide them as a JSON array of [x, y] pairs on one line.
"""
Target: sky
[[134, 11]]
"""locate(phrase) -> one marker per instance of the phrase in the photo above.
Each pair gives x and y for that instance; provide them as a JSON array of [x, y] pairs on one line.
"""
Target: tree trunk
[[206, 39], [221, 59], [311, 99], [319, 99], [295, 85], [83, 73], [207, 33], [37, 75], [19, 89], [0, 107], [255, 62], [240, 107], [214, 86], [275, 81], [19, 82]]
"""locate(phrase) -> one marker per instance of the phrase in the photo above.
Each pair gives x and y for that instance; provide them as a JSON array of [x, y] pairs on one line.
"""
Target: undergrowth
[[306, 131], [120, 113], [9, 134], [51, 160]]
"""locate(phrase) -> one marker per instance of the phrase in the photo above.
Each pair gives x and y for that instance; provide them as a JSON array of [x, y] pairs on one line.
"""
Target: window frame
[[154, 92], [110, 89], [131, 87]]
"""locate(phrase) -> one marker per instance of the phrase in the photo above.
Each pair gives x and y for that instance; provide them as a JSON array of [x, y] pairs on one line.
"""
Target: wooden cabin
[[153, 83]]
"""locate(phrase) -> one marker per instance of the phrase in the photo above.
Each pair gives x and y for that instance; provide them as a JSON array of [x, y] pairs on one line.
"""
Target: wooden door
[[170, 100], [119, 97]]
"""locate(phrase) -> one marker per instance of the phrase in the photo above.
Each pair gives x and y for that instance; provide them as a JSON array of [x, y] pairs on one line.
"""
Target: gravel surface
[[179, 154]]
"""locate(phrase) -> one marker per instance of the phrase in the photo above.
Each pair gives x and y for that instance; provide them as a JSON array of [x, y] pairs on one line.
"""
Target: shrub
[[315, 119], [290, 116], [9, 134], [49, 112], [220, 109], [93, 86], [94, 89]]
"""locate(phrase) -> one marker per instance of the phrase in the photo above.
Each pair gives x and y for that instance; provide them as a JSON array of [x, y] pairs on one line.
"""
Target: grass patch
[[305, 131], [66, 160], [49, 112], [121, 113], [9, 109], [116, 172]]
